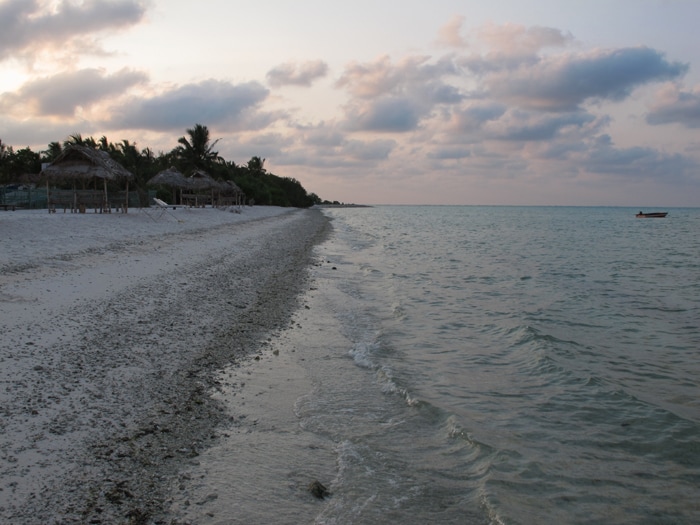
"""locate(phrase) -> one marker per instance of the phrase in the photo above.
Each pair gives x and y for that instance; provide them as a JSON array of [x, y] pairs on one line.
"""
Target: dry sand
[[112, 329]]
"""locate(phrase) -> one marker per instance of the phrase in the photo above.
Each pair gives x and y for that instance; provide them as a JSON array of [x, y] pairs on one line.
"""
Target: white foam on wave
[[362, 354], [389, 386]]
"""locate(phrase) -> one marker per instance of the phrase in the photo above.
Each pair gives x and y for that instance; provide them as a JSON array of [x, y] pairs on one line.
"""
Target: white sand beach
[[112, 326]]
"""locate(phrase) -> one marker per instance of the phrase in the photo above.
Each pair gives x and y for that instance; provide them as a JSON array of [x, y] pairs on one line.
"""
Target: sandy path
[[111, 336]]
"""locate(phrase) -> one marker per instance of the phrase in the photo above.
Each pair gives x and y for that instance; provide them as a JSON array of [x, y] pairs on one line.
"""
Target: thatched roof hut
[[81, 162], [170, 177], [198, 181], [84, 163], [230, 187], [196, 185], [201, 180], [231, 194]]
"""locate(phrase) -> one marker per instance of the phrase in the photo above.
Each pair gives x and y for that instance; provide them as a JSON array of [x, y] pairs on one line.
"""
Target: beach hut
[[172, 178], [231, 193], [201, 180], [81, 163], [197, 182]]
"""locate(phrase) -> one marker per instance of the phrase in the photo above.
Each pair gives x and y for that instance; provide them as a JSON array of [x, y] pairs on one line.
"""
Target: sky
[[506, 102]]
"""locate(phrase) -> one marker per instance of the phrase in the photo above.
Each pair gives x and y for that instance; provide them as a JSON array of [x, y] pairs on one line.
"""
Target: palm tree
[[197, 152], [147, 153], [53, 150], [105, 145], [129, 152], [76, 139], [256, 165], [5, 157]]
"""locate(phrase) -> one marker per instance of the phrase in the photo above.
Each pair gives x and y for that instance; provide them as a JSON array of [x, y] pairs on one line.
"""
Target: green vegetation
[[195, 150]]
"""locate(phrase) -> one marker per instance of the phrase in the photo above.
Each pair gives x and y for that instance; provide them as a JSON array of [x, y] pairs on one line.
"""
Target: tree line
[[195, 150]]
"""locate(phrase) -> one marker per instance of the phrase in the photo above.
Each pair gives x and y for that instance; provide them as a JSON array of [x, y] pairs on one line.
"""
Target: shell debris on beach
[[113, 326]]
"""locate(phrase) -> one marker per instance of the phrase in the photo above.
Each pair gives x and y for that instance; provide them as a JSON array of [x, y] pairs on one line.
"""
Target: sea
[[474, 365]]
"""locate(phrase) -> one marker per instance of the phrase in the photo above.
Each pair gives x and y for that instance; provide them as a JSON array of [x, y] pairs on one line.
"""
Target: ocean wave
[[554, 384], [362, 351]]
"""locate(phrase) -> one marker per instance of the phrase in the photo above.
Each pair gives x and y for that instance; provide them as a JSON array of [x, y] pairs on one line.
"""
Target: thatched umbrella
[[201, 180], [230, 188], [170, 177], [80, 162]]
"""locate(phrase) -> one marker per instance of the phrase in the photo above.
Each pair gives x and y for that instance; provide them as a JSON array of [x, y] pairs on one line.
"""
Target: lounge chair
[[160, 208], [164, 204]]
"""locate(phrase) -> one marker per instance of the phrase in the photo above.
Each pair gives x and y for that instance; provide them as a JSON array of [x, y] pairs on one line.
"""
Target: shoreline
[[110, 349], [331, 206]]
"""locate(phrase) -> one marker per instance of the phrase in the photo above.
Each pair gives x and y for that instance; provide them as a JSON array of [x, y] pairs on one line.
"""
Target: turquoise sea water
[[490, 365]]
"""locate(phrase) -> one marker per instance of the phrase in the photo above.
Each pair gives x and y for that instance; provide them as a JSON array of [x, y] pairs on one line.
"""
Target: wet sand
[[114, 330]]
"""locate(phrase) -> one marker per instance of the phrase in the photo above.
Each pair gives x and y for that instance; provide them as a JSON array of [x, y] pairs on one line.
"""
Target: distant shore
[[342, 206], [113, 327]]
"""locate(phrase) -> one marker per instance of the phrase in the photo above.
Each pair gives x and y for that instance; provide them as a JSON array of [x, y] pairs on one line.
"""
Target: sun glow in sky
[[593, 102]]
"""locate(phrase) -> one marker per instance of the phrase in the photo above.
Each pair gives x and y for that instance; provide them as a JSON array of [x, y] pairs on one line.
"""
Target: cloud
[[62, 94], [321, 136], [211, 102], [675, 106], [492, 122], [472, 117], [326, 145], [32, 25], [38, 132], [449, 34], [510, 46], [369, 80], [390, 97], [636, 162], [268, 146], [504, 40], [522, 126], [372, 150], [518, 40], [387, 114], [398, 97], [295, 74], [449, 153], [563, 83], [373, 79]]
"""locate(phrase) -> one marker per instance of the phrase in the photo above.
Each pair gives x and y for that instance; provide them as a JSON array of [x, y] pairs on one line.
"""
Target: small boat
[[652, 215]]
